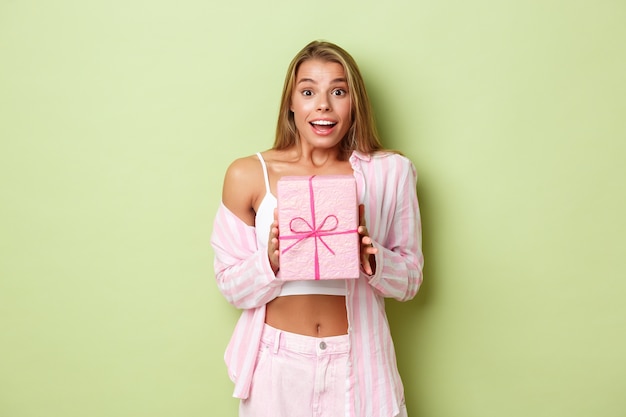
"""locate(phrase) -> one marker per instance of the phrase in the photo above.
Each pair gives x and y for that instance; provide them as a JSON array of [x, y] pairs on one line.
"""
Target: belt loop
[[277, 341]]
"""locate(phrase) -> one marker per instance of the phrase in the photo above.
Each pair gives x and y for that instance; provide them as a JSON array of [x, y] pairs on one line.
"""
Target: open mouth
[[323, 125]]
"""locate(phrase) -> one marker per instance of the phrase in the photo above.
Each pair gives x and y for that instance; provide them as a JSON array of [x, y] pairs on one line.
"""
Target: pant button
[[322, 345]]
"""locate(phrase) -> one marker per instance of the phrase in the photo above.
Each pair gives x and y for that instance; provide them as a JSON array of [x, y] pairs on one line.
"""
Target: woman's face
[[320, 103]]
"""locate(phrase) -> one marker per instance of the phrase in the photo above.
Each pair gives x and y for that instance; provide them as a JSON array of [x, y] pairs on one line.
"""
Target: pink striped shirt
[[386, 185]]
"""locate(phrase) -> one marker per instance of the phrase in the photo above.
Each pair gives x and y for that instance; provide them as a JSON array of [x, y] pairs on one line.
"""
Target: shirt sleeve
[[400, 261], [242, 270]]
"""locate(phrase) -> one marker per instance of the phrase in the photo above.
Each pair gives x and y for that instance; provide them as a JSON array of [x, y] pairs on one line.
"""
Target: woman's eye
[[307, 92], [339, 92]]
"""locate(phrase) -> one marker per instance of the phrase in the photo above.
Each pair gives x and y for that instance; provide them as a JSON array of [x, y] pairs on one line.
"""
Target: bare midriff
[[310, 315]]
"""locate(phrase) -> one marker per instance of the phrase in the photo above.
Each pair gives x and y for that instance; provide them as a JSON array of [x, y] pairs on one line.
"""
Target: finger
[[361, 215], [365, 263], [366, 240]]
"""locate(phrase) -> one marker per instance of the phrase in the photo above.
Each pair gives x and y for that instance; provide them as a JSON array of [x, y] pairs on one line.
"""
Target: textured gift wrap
[[318, 218]]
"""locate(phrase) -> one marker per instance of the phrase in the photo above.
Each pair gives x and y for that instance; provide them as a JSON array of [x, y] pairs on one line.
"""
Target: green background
[[119, 118]]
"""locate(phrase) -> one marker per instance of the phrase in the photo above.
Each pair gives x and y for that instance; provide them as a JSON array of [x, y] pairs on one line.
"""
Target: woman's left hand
[[368, 262]]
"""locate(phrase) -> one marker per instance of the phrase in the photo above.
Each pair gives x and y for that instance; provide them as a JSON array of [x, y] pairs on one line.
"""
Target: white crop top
[[262, 221]]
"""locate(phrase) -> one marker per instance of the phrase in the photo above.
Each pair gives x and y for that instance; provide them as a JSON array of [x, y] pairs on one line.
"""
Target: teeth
[[323, 122]]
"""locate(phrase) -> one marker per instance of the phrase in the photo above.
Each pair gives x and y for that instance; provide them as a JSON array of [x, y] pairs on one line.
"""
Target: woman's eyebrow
[[311, 80], [307, 80]]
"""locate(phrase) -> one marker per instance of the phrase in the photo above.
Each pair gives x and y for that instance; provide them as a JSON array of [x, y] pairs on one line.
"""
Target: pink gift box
[[318, 218]]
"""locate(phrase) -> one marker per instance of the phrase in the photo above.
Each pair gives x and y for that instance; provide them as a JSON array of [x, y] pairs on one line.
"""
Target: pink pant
[[298, 376]]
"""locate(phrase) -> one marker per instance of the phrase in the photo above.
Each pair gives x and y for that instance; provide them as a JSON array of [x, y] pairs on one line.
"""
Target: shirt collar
[[360, 155]]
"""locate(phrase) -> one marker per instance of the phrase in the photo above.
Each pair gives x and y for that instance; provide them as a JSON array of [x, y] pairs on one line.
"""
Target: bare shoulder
[[243, 169], [243, 184]]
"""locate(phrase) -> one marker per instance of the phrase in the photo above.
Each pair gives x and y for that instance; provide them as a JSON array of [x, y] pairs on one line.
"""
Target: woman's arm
[[243, 271], [399, 260]]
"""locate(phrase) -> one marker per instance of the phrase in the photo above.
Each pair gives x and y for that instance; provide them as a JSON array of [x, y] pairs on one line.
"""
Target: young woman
[[319, 347]]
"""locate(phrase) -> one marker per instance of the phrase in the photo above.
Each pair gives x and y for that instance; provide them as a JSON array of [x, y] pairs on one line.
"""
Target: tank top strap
[[265, 175]]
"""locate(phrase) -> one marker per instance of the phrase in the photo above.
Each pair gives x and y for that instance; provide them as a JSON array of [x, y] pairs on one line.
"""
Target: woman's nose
[[323, 103]]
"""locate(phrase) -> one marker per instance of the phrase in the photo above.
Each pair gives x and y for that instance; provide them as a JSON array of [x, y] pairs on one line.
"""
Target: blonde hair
[[362, 135]]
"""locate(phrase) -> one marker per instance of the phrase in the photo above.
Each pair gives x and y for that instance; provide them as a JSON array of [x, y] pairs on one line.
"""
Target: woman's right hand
[[272, 244]]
